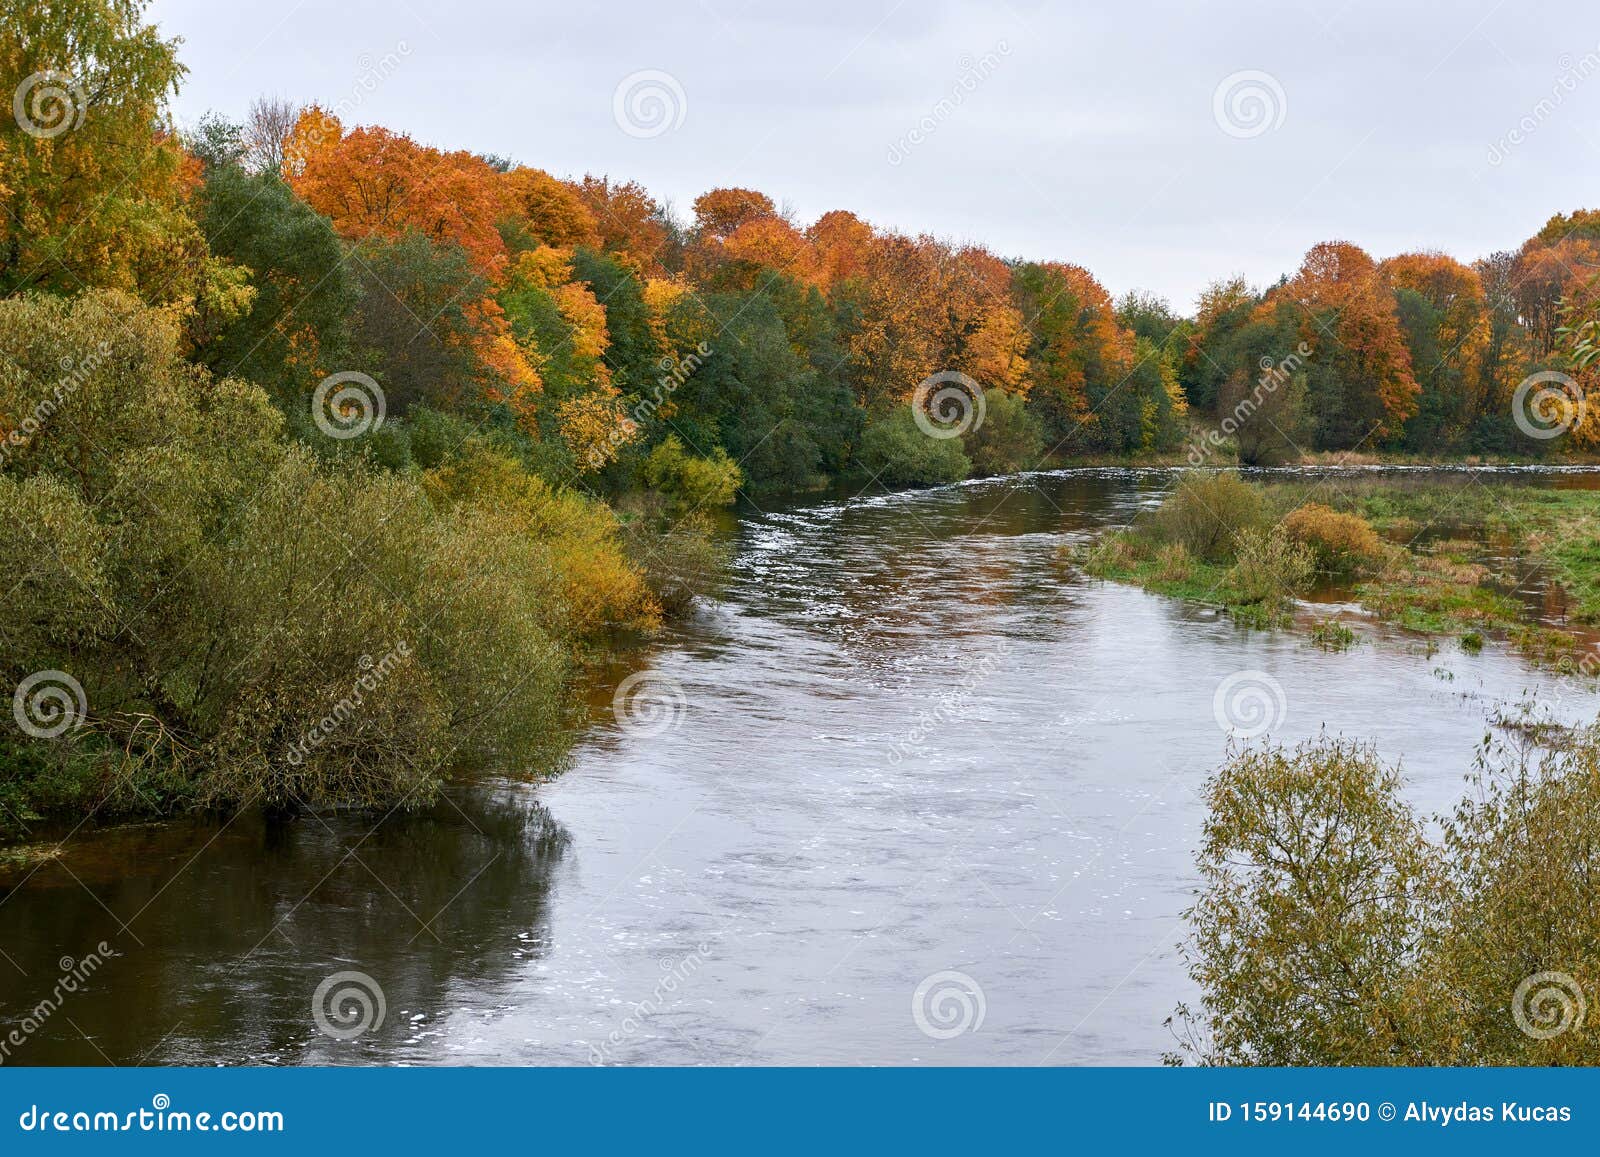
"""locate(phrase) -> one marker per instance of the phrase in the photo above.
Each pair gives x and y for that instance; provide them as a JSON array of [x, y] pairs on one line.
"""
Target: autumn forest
[[217, 334]]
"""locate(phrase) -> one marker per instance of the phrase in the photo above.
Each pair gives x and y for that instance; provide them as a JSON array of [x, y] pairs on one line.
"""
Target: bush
[[1009, 438], [600, 587], [1313, 876], [689, 481], [1345, 544], [1208, 513], [1331, 930], [1269, 569], [679, 557], [249, 622], [895, 451]]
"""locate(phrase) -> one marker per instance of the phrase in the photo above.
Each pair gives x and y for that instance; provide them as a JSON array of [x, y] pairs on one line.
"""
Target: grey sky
[[1084, 133]]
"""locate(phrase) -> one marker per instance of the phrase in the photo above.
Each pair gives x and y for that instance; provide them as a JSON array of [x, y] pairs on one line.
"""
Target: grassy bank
[[1458, 557]]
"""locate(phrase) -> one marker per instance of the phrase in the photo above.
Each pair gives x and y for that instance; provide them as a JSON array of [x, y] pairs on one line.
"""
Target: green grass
[[1450, 539], [1332, 635], [1124, 556]]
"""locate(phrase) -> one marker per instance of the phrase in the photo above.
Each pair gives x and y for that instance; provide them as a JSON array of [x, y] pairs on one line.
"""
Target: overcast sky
[[1095, 134]]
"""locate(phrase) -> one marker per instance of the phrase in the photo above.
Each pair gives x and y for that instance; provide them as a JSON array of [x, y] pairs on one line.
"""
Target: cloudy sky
[[1159, 144]]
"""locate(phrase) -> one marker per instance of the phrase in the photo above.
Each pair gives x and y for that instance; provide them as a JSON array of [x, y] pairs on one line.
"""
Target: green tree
[[1008, 439], [297, 328], [94, 193]]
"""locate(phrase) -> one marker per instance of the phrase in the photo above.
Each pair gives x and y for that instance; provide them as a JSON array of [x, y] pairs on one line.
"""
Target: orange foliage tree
[[373, 183], [1349, 322], [549, 211], [630, 222]]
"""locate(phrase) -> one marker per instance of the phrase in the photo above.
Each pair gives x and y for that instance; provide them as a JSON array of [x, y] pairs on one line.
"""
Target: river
[[912, 792]]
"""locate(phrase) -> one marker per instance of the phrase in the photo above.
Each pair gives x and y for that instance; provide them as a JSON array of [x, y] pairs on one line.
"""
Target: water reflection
[[222, 936]]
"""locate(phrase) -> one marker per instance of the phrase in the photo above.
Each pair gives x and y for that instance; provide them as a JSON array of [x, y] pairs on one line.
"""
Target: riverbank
[[896, 718], [1466, 557]]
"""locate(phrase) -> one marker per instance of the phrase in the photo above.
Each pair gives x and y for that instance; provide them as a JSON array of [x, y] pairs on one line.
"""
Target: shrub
[[896, 452], [1331, 930], [1009, 438], [600, 587], [1314, 873], [1343, 543], [1208, 512], [691, 482], [679, 557], [1269, 569], [250, 622]]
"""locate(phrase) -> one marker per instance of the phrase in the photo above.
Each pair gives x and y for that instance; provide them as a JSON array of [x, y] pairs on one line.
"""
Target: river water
[[913, 792]]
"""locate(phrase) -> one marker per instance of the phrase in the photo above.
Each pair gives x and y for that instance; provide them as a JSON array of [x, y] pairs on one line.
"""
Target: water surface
[[909, 741]]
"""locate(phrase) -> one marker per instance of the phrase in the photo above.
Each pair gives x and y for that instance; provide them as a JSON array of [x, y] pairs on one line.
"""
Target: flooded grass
[[1454, 556]]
